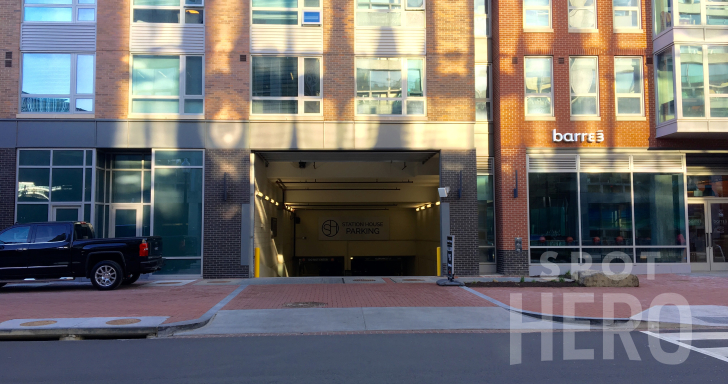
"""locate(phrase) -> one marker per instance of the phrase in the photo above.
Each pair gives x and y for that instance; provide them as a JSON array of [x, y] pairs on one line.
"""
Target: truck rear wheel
[[107, 275], [131, 279]]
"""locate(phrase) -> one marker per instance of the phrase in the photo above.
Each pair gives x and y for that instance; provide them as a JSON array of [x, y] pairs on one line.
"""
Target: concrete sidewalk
[[349, 304]]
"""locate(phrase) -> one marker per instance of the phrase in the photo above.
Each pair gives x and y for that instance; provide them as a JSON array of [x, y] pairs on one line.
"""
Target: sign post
[[450, 263]]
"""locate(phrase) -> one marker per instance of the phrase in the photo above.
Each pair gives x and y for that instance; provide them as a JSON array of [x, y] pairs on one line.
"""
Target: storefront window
[[486, 219], [553, 209], [555, 255], [708, 186], [177, 209], [659, 208], [607, 255], [606, 209]]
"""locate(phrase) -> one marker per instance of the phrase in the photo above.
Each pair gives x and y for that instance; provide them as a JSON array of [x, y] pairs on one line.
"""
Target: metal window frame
[[489, 91], [527, 95], [703, 12], [402, 11], [637, 9], [596, 81], [182, 8], [50, 203], [182, 97], [299, 9], [632, 171], [202, 191], [677, 73], [75, 6], [482, 172], [484, 16], [301, 80], [404, 81], [592, 8], [536, 8], [630, 95], [73, 96]]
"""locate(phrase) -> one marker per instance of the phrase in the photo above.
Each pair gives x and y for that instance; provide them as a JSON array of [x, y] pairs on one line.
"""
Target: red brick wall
[[9, 42], [339, 82], [112, 59]]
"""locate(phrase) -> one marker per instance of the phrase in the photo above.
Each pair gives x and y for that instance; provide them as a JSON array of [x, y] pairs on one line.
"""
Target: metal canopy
[[346, 156]]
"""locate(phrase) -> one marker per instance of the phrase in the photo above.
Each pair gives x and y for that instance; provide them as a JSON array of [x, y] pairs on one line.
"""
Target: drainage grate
[[38, 323], [123, 321], [305, 304], [364, 280]]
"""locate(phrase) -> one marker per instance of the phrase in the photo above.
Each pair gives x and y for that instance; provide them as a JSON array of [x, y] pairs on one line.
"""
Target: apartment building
[[348, 137]]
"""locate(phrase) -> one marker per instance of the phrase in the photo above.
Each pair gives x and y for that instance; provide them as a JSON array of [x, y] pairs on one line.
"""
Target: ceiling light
[[437, 203], [259, 194], [429, 205], [417, 209], [276, 203], [267, 198]]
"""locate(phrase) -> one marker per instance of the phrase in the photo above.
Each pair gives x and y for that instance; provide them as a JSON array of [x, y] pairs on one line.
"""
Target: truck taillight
[[144, 248]]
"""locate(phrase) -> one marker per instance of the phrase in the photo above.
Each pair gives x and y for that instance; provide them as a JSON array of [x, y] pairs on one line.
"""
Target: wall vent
[[552, 163]]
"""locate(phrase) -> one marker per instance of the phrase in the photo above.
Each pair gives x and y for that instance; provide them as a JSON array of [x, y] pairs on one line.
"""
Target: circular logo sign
[[330, 228]]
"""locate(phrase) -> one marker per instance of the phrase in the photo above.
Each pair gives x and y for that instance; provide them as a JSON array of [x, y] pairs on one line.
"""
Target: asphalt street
[[375, 358]]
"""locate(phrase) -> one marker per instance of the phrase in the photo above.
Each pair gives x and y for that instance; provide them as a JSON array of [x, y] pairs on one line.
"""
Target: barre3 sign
[[597, 137], [353, 228]]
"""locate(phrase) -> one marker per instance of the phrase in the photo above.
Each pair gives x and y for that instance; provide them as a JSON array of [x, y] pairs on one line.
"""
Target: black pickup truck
[[68, 250]]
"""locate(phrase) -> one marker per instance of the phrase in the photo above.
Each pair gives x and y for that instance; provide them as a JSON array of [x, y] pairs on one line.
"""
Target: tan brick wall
[[112, 59], [10, 14], [450, 61], [227, 79], [339, 81]]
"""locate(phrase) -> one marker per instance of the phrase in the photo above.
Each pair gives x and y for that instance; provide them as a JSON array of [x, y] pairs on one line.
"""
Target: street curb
[[162, 330], [558, 318]]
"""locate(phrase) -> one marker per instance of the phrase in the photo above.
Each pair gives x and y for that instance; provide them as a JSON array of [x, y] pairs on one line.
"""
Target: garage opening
[[346, 213]]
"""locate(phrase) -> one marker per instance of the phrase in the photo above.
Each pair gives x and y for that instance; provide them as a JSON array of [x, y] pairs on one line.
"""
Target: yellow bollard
[[439, 262], [257, 262]]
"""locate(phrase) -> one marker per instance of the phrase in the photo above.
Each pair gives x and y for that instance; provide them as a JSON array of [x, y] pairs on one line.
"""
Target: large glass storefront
[[707, 221], [157, 192], [617, 215]]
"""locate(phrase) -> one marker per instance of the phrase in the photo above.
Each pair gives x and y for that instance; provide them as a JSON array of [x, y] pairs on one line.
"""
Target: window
[[628, 85], [158, 88], [61, 11], [482, 93], [482, 22], [537, 14], [486, 219], [665, 85], [538, 74], [177, 208], [582, 14], [606, 215], [279, 87], [15, 235], [692, 82], [584, 85], [57, 83], [390, 13], [626, 14], [718, 80], [379, 83], [50, 233], [707, 12], [53, 179], [286, 12], [168, 11], [663, 15]]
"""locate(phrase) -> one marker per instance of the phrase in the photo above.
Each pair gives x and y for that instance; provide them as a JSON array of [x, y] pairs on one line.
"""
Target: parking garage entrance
[[346, 213]]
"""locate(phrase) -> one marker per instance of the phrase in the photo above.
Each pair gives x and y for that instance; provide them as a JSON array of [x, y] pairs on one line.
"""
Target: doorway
[[126, 221], [67, 213], [707, 223]]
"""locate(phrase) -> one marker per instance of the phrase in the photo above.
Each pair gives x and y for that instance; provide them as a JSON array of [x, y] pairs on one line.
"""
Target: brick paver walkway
[[696, 290], [181, 303], [356, 295]]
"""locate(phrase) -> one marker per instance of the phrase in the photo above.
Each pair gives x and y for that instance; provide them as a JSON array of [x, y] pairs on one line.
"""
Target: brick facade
[[112, 59], [10, 13], [463, 209], [222, 218], [7, 186]]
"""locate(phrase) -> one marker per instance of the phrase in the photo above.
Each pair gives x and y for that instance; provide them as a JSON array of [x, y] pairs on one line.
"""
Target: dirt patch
[[123, 322], [516, 284]]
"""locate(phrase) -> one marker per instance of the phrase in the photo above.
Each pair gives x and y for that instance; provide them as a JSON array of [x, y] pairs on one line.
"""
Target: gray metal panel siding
[[167, 38], [8, 134], [227, 135], [66, 37], [163, 134], [56, 134], [112, 134]]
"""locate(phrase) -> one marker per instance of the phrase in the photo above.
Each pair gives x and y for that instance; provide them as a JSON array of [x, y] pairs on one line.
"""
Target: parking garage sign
[[354, 228]]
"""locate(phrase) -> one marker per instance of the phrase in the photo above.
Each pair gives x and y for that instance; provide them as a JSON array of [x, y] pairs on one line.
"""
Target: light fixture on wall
[[437, 203]]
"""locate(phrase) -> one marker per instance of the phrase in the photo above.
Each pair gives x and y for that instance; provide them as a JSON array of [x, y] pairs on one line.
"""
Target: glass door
[[718, 236], [125, 221], [67, 213]]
